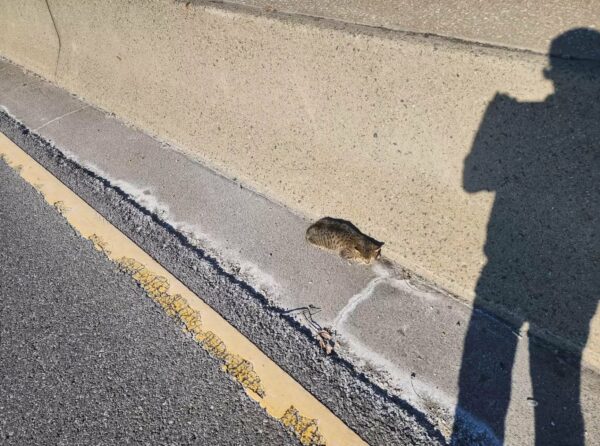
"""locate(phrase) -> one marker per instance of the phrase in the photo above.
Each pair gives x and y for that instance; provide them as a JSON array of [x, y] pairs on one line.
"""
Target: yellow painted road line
[[264, 381]]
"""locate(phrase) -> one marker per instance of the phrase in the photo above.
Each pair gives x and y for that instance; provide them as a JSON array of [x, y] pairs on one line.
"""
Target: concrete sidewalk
[[399, 331]]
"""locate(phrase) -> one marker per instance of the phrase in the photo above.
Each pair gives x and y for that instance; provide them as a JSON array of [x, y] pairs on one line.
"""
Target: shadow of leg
[[484, 382], [556, 392]]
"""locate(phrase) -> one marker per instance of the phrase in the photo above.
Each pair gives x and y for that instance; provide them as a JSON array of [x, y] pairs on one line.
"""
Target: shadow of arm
[[484, 167]]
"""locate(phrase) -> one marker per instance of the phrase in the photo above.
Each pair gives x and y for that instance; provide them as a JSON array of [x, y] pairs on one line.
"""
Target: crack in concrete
[[60, 117], [57, 36]]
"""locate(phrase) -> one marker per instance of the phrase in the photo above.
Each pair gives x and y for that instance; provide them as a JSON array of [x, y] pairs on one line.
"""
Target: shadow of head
[[572, 54]]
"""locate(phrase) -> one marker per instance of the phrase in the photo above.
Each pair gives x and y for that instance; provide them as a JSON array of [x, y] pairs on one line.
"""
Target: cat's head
[[369, 249]]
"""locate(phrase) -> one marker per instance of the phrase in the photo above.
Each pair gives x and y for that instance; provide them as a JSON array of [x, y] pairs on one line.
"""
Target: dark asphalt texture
[[87, 358]]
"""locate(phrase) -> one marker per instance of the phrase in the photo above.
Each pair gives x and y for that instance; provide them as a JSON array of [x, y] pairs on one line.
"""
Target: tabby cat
[[345, 238]]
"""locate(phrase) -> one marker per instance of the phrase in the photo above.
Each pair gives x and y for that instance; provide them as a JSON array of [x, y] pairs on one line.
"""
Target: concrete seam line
[[57, 36], [363, 27], [58, 118], [264, 381]]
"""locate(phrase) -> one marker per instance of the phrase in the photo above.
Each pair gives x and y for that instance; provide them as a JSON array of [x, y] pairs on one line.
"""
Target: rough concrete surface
[[385, 122], [361, 123], [390, 328], [529, 25], [29, 36], [88, 358]]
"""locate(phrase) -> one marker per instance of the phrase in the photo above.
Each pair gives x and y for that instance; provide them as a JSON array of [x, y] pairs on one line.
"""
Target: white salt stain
[[229, 259], [7, 111], [418, 392], [383, 275], [368, 358]]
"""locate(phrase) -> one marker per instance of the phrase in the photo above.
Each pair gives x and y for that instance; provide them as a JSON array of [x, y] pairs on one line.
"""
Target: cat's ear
[[380, 244]]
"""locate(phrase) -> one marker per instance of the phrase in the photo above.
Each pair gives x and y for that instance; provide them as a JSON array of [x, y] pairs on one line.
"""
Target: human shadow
[[542, 160]]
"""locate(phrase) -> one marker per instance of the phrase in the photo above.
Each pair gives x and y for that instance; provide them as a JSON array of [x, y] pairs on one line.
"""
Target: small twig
[[325, 336], [311, 310], [413, 375], [310, 307]]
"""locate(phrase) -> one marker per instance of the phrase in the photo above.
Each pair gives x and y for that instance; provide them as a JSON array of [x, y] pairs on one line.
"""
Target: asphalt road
[[87, 358]]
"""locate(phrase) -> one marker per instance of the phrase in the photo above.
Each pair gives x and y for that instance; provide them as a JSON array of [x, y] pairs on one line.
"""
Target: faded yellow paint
[[157, 287], [99, 244], [278, 393], [59, 205], [306, 429]]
